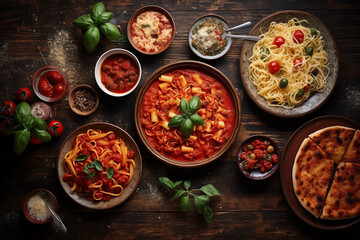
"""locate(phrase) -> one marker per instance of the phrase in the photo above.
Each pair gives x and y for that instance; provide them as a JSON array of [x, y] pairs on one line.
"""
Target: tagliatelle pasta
[[99, 165], [289, 63]]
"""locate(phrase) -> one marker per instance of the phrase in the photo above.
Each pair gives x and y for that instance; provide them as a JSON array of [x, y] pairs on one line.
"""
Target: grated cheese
[[37, 208]]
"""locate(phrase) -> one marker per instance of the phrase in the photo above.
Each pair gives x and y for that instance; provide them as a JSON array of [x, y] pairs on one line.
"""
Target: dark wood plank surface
[[246, 210]]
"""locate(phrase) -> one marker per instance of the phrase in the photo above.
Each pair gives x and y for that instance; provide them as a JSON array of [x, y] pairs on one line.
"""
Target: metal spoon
[[246, 37], [247, 24], [57, 220]]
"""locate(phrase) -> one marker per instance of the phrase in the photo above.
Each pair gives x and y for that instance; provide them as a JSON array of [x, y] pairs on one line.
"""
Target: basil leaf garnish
[[81, 158], [42, 135], [187, 127], [176, 120], [83, 22], [184, 106], [40, 123], [22, 111], [21, 141], [91, 39], [98, 165], [110, 172], [96, 11], [194, 104], [105, 17], [197, 119], [91, 165], [110, 31]]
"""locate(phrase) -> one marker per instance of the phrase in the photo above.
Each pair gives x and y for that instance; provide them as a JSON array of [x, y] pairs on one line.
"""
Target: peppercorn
[[84, 100]]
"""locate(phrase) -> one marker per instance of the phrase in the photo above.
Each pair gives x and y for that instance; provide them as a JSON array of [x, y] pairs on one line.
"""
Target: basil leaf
[[22, 111], [178, 194], [186, 204], [40, 123], [167, 182], [208, 213], [200, 202], [177, 183], [96, 11], [91, 39], [187, 127], [197, 119], [110, 172], [176, 121], [17, 128], [110, 31], [83, 22], [105, 17], [91, 165], [187, 184], [81, 158], [29, 121], [184, 106], [98, 165], [210, 190], [21, 141], [42, 135], [194, 104]]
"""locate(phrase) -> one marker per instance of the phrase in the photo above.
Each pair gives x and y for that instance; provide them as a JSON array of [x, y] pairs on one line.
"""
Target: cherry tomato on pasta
[[55, 128], [298, 36], [23, 94], [278, 41], [297, 63], [274, 67]]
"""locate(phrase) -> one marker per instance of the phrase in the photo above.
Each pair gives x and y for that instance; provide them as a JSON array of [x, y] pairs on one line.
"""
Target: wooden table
[[246, 210]]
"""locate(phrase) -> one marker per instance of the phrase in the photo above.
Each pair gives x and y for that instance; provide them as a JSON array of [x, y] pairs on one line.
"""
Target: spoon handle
[[247, 24], [246, 37], [57, 221]]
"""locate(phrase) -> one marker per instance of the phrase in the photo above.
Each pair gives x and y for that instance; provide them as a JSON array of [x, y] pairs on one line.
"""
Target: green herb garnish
[[81, 158], [145, 25], [201, 200], [189, 118], [110, 172], [88, 173]]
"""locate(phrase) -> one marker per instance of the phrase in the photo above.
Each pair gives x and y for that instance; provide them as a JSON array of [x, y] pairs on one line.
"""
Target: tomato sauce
[[119, 73], [168, 142]]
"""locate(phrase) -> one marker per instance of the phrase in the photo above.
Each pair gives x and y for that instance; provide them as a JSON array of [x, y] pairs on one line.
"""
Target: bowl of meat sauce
[[117, 72], [50, 83], [151, 30], [258, 157]]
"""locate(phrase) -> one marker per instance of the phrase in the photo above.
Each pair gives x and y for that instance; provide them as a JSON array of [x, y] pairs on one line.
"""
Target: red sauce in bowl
[[119, 73]]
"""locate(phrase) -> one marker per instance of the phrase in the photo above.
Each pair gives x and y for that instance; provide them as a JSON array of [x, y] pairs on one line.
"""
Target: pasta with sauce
[[89, 179], [301, 63], [161, 102]]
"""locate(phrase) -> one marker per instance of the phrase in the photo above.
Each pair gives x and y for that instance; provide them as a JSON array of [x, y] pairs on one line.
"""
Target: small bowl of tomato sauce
[[258, 157], [50, 83], [118, 72]]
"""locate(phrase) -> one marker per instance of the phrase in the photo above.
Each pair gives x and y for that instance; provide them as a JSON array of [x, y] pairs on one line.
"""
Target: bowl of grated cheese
[[35, 209]]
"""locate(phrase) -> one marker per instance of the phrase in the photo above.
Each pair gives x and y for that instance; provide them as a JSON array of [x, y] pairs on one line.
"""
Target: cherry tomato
[[7, 108], [23, 94], [278, 41], [35, 141], [5, 126], [55, 128], [55, 77], [306, 87], [298, 36], [274, 67], [45, 88], [297, 63], [58, 90]]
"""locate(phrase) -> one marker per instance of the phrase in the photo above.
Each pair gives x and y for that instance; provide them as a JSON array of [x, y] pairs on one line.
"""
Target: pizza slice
[[343, 200], [311, 175], [333, 141], [352, 154]]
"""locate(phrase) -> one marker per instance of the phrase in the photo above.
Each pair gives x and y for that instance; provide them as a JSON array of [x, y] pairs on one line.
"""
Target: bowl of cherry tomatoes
[[50, 83], [258, 157]]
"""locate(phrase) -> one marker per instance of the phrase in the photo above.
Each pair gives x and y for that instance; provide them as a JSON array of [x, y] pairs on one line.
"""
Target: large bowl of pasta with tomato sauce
[[99, 165], [159, 101]]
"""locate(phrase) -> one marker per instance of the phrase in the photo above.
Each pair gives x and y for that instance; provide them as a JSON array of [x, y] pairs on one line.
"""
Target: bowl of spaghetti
[[99, 165], [294, 68], [161, 100]]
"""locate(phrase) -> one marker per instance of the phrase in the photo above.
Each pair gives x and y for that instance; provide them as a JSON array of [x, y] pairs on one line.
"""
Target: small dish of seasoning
[[83, 100], [206, 38], [258, 157], [35, 208]]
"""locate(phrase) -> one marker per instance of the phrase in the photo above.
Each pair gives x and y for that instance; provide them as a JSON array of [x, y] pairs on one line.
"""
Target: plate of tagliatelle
[[99, 165], [293, 70]]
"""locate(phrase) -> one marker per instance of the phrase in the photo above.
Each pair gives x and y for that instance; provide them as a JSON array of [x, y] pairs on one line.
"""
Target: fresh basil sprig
[[189, 118], [24, 125], [201, 200], [95, 23]]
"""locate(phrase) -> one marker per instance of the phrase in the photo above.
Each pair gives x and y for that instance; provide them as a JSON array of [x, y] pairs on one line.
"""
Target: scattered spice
[[84, 100]]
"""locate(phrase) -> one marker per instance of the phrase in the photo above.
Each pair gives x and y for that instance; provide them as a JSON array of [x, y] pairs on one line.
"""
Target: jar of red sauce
[[50, 83]]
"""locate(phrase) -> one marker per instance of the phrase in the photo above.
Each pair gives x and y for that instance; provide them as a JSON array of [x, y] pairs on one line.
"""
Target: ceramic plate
[[206, 69], [128, 190], [286, 166], [317, 99]]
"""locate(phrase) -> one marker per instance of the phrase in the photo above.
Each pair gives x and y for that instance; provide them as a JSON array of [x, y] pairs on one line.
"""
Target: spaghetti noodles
[[299, 55], [99, 165]]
